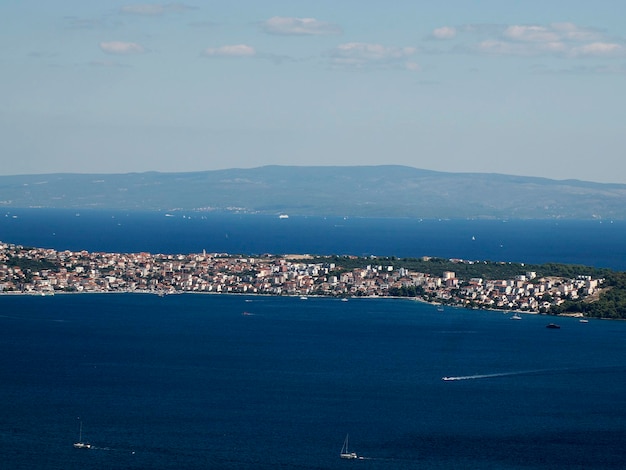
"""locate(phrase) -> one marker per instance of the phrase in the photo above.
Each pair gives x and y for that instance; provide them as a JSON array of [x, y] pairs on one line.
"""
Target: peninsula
[[551, 289]]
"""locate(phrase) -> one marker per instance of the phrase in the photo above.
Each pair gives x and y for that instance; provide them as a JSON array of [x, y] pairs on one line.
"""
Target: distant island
[[359, 191], [548, 288]]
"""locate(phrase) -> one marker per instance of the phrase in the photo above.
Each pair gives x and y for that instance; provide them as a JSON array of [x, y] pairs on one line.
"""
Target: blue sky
[[533, 88]]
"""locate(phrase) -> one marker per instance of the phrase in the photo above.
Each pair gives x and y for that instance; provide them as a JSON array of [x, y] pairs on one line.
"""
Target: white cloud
[[556, 47], [236, 50], [558, 39], [359, 54], [497, 47], [299, 26], [119, 47], [445, 32], [531, 34], [153, 9], [599, 49], [572, 32]]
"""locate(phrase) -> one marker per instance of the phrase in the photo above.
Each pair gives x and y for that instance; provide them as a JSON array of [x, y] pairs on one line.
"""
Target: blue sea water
[[188, 381], [593, 243]]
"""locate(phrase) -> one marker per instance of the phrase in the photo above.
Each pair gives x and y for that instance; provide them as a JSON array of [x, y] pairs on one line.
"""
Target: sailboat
[[80, 444], [345, 454]]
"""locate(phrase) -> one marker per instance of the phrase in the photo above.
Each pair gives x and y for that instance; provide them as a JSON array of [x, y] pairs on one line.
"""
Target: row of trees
[[466, 270]]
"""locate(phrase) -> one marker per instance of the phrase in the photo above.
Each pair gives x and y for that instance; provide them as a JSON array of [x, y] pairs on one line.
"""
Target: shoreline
[[313, 296], [494, 286], [292, 296]]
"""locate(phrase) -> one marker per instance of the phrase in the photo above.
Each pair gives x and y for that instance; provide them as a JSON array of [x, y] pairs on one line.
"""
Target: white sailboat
[[345, 453], [80, 444]]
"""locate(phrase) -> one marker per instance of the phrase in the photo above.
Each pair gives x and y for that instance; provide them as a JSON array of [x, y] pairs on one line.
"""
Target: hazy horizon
[[467, 173], [514, 88]]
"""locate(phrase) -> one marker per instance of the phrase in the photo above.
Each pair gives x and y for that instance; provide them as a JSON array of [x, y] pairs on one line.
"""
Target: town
[[41, 271]]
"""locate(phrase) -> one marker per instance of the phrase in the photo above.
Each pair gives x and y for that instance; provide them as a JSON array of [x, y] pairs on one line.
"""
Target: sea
[[200, 381]]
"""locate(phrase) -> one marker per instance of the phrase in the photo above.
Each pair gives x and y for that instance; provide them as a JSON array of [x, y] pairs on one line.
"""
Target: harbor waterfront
[[47, 271]]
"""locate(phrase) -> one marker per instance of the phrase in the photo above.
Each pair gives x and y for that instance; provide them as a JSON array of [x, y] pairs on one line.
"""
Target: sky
[[530, 88]]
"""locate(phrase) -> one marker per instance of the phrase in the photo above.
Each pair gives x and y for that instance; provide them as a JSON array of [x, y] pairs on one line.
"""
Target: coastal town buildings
[[43, 271]]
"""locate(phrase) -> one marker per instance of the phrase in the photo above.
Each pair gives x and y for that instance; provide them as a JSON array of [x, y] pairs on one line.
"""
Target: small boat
[[583, 320], [345, 299], [553, 326], [283, 216], [345, 453], [80, 444], [303, 297], [440, 308], [516, 316]]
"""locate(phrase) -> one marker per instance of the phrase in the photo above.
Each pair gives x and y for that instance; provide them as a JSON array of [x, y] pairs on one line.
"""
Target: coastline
[[47, 272], [292, 296], [312, 296]]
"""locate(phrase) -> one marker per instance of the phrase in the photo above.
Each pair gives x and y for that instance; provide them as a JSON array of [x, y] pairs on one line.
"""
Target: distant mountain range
[[361, 191]]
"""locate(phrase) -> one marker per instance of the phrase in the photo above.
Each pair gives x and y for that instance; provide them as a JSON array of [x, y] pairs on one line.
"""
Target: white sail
[[80, 444], [345, 453]]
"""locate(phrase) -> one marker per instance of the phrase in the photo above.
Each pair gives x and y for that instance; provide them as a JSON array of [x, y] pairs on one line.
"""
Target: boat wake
[[588, 370], [492, 376], [129, 451]]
